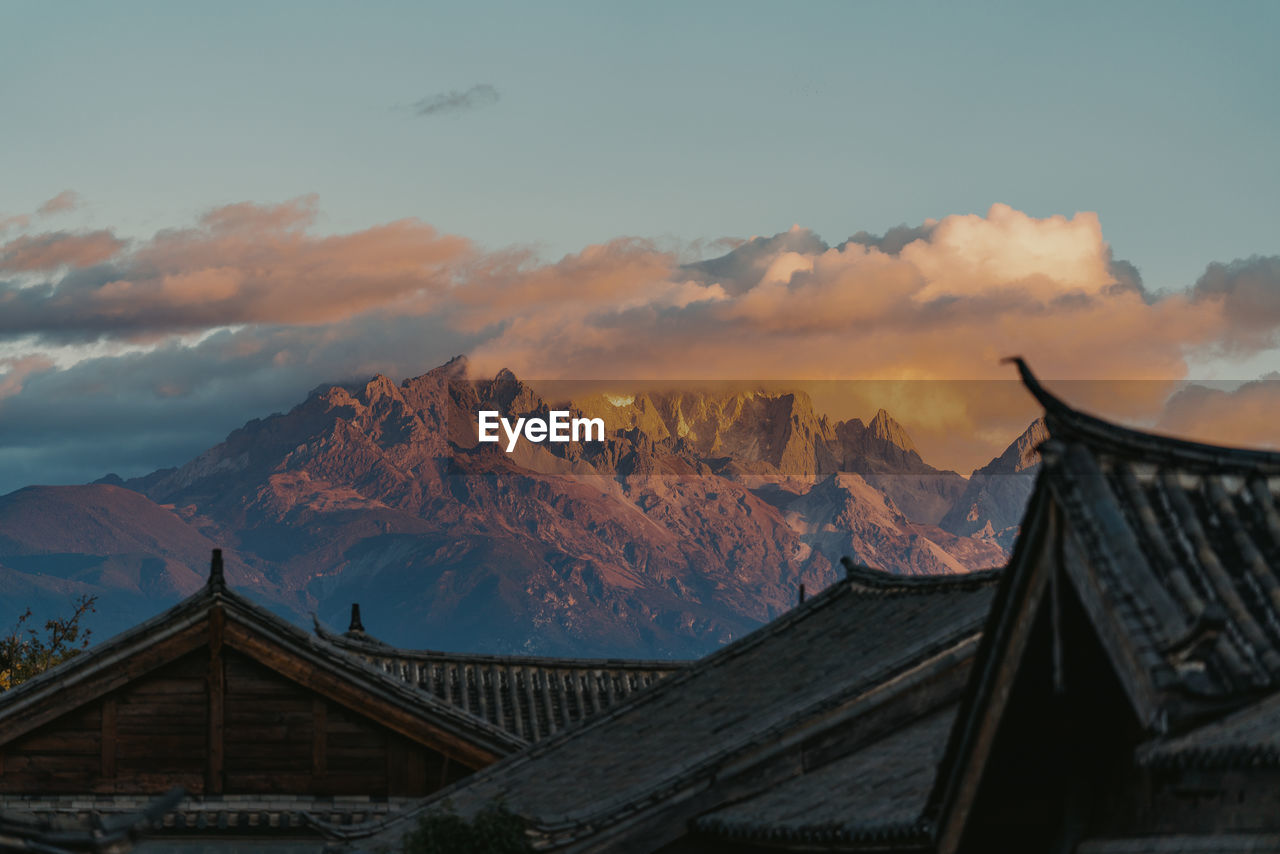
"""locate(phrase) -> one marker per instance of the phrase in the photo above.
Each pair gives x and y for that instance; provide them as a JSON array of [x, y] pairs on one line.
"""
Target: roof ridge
[[1066, 422], [84, 658], [387, 680], [881, 579], [192, 609], [379, 648]]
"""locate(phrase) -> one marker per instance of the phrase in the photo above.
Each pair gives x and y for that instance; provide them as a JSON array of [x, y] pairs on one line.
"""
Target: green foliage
[[25, 653], [494, 830]]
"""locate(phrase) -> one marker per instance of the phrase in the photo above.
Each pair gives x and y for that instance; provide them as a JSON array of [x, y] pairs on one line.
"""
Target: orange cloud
[[67, 200], [48, 252], [929, 309], [1246, 416], [243, 263], [940, 312], [949, 306]]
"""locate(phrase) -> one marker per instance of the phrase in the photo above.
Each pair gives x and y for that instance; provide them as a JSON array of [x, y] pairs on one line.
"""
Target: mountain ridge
[[696, 519]]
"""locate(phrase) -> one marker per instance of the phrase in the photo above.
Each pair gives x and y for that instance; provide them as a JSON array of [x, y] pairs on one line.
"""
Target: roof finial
[[216, 579], [356, 625], [801, 594], [1051, 404]]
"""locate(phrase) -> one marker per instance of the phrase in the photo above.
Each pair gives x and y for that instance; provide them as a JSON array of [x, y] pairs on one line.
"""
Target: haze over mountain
[[695, 519], [996, 494]]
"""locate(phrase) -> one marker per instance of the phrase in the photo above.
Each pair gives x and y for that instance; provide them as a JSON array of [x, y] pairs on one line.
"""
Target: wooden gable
[[221, 697]]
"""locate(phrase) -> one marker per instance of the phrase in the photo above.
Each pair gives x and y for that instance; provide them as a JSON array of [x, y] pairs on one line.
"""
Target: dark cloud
[[1128, 278], [742, 268], [134, 413], [1249, 292], [893, 240], [446, 103]]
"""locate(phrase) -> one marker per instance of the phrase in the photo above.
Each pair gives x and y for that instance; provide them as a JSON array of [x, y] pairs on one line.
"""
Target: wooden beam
[[217, 702], [108, 770]]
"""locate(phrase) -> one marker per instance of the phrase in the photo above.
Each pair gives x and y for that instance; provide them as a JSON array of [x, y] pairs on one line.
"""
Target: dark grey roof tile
[[880, 789]]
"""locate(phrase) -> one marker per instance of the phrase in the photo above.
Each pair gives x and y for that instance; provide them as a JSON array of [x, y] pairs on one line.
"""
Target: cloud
[[52, 251], [947, 305], [135, 412], [918, 319], [243, 263], [1246, 415], [454, 102], [14, 371], [67, 200], [1247, 292], [895, 239], [15, 221]]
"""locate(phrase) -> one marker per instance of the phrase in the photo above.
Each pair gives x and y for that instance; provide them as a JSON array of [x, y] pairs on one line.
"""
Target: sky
[[207, 211]]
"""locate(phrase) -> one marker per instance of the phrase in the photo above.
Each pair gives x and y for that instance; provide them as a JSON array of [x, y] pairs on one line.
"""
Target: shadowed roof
[[875, 794], [1181, 540], [529, 696], [851, 641]]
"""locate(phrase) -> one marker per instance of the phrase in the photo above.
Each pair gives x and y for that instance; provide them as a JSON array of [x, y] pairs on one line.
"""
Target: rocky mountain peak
[[996, 495], [1028, 444], [458, 367], [883, 426], [379, 387], [1022, 455]]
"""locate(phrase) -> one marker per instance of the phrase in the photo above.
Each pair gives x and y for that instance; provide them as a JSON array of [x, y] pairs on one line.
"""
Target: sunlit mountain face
[[696, 517]]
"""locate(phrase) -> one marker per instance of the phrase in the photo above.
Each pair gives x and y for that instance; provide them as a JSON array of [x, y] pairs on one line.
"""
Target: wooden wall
[[275, 737]]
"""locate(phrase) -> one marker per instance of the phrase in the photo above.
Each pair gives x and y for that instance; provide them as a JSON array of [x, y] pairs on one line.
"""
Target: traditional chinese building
[[268, 728]]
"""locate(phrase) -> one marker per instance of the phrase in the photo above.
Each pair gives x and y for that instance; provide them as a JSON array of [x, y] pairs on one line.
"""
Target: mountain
[[993, 501], [694, 521], [60, 542]]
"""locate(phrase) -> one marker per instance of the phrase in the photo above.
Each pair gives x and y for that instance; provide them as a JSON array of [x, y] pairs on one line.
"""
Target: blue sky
[[688, 121]]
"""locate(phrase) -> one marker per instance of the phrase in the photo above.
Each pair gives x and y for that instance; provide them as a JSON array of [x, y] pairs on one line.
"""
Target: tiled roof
[[1247, 738], [253, 814], [59, 831], [816, 663], [530, 697], [1184, 539], [877, 793]]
